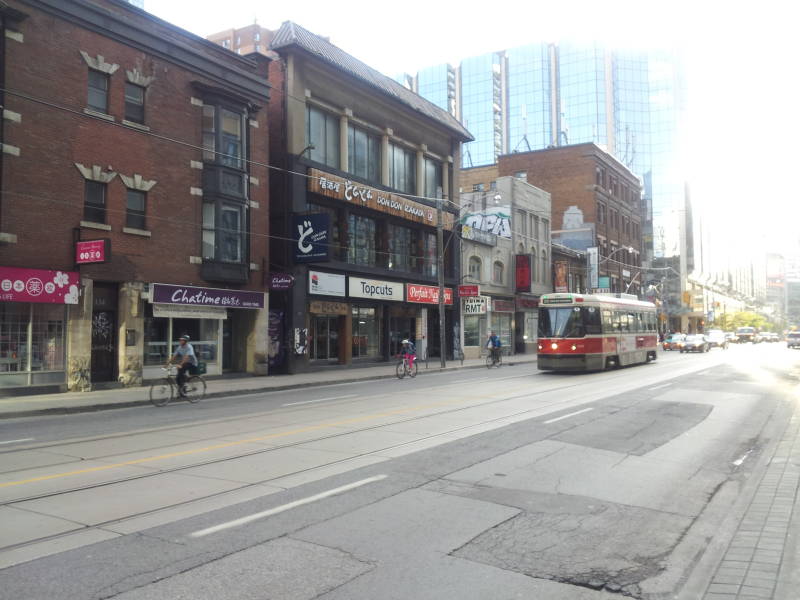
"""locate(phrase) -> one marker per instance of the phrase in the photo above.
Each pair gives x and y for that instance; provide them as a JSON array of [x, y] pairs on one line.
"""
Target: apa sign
[[474, 306]]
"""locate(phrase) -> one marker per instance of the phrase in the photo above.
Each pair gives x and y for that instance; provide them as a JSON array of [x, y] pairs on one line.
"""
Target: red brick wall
[[568, 173], [43, 191]]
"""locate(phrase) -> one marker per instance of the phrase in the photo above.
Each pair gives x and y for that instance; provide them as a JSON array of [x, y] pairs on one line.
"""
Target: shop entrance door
[[433, 333], [104, 333], [325, 338], [401, 328], [227, 345]]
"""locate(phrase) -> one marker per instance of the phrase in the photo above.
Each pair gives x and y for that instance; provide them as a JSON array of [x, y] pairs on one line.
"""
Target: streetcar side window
[[651, 322], [591, 321], [608, 321]]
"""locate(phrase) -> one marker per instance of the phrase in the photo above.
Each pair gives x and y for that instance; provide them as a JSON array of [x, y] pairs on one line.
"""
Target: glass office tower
[[533, 97], [530, 103]]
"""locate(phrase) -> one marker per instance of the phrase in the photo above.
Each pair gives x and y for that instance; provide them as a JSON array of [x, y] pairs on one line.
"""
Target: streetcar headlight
[[574, 347], [554, 346], [540, 346]]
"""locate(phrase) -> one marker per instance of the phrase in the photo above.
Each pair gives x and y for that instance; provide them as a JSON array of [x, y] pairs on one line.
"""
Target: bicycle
[[403, 368], [458, 354], [494, 358], [162, 392]]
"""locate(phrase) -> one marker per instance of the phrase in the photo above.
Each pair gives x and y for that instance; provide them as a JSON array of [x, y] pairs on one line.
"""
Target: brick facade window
[[134, 103], [98, 91], [497, 273], [136, 203], [94, 203]]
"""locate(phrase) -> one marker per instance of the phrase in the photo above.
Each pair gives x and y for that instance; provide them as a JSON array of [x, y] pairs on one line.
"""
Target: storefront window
[[156, 332], [429, 254], [474, 330], [325, 337], [32, 339], [158, 346], [366, 342], [501, 325], [399, 248], [361, 240], [531, 327]]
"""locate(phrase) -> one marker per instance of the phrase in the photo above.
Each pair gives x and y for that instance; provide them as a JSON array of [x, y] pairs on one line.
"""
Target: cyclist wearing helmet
[[186, 359], [409, 351]]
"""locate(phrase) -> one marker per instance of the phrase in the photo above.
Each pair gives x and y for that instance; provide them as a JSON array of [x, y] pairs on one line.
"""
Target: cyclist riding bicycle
[[185, 356], [409, 351], [494, 344]]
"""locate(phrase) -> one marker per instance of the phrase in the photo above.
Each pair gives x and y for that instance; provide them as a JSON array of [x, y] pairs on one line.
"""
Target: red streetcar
[[593, 332]]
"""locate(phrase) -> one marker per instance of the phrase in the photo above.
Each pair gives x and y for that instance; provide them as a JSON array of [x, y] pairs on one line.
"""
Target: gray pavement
[[501, 484], [76, 402]]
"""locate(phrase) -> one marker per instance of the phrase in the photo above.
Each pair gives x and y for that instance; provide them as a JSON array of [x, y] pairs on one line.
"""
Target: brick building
[[369, 161], [596, 201], [135, 133]]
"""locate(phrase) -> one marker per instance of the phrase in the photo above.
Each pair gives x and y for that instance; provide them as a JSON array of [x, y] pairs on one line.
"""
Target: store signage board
[[560, 275], [333, 186], [527, 304], [163, 293], [311, 234], [280, 281], [522, 272], [39, 285], [180, 311], [474, 306], [479, 237], [92, 251], [502, 306], [469, 291], [326, 284], [375, 289], [427, 294]]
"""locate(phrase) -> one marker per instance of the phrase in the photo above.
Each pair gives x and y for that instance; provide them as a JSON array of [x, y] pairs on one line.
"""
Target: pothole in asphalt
[[612, 548]]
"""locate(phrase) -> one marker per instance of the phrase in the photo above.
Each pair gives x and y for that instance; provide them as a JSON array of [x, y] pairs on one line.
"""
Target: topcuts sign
[[376, 290]]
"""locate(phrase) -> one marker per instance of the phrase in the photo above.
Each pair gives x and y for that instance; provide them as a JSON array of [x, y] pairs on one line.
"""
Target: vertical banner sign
[[311, 235], [560, 276], [522, 271], [591, 257]]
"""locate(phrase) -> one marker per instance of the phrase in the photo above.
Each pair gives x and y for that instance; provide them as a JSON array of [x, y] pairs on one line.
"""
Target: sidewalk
[[75, 402]]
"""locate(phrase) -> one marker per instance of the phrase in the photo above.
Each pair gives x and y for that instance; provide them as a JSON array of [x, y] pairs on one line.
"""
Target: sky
[[741, 58]]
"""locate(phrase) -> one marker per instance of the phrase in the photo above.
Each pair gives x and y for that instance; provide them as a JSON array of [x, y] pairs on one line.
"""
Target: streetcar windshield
[[572, 321]]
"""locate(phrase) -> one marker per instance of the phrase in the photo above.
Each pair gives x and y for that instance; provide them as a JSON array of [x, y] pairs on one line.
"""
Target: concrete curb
[[85, 408]]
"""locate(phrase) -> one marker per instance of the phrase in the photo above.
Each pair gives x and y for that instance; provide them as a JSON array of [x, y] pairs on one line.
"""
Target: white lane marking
[[739, 461], [285, 507], [577, 412], [320, 400], [17, 441], [658, 387]]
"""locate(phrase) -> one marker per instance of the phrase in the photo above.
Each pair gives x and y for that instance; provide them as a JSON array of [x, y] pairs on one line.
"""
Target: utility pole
[[440, 273]]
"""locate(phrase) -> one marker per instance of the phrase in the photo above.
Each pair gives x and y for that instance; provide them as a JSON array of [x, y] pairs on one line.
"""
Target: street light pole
[[440, 273]]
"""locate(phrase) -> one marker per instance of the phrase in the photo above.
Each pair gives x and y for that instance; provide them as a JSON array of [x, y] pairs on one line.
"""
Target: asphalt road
[[507, 483]]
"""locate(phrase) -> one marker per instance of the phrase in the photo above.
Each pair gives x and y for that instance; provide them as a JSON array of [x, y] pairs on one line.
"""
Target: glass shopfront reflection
[[366, 332]]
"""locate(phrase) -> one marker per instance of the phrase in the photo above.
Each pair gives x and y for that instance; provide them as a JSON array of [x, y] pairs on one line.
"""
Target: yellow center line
[[250, 440]]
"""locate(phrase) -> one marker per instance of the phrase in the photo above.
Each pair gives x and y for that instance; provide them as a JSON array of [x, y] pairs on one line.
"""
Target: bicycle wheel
[[195, 388], [412, 372], [499, 359], [489, 361], [161, 393], [401, 369]]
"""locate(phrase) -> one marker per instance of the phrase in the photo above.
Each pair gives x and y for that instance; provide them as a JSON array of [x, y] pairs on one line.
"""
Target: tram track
[[548, 407]]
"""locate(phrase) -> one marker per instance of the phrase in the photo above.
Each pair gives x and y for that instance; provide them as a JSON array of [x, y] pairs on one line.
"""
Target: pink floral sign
[[38, 285]]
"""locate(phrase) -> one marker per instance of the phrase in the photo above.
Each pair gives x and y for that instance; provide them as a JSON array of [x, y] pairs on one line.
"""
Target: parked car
[[793, 339], [716, 339], [746, 334], [730, 337], [695, 343], [674, 341]]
